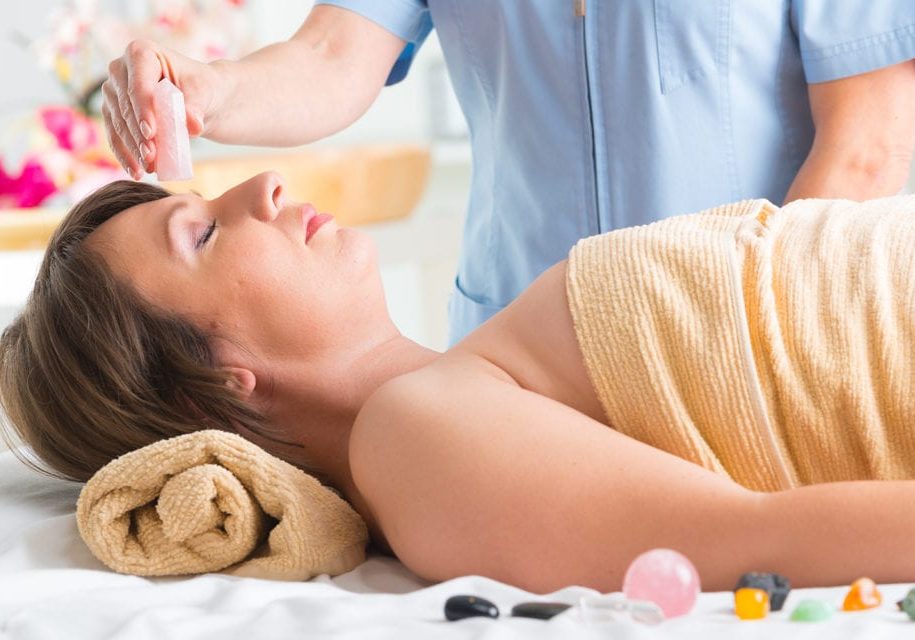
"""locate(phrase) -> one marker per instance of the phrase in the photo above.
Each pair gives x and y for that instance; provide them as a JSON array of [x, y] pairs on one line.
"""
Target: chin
[[358, 249]]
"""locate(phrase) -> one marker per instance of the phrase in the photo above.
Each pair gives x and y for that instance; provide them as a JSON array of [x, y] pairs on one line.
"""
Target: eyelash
[[202, 240]]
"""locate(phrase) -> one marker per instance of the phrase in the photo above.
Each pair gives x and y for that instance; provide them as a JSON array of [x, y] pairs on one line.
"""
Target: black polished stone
[[539, 610], [460, 607]]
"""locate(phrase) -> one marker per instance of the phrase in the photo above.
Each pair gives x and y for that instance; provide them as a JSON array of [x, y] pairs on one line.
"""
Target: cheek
[[290, 302], [288, 306]]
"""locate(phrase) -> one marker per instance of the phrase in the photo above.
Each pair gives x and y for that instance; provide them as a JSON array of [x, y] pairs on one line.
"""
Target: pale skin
[[865, 124], [492, 458]]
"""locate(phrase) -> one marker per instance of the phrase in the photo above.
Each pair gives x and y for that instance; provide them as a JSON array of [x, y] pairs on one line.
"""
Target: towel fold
[[212, 501]]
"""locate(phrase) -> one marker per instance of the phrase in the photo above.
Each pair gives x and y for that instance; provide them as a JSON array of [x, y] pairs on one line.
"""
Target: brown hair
[[90, 371]]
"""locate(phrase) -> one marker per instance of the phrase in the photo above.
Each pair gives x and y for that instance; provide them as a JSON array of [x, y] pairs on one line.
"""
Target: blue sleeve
[[407, 19], [848, 37]]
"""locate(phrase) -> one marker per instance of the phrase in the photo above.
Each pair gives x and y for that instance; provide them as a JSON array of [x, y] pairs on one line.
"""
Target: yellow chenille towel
[[209, 500], [774, 345]]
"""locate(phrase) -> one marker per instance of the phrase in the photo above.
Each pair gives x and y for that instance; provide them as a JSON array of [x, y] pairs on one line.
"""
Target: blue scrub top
[[635, 111]]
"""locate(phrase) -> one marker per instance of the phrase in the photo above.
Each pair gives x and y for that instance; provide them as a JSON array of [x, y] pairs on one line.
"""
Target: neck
[[319, 415]]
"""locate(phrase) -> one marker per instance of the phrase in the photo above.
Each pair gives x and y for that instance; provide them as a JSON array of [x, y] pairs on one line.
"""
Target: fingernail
[[144, 151], [145, 129]]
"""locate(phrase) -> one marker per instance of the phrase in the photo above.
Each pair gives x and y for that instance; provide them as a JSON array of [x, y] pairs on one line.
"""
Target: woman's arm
[[290, 93], [469, 475], [865, 134]]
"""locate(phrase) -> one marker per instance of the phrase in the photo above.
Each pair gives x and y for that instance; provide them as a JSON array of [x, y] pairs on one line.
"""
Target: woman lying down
[[737, 384]]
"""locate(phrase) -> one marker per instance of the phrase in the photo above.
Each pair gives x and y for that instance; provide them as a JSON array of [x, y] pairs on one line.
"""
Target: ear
[[243, 381]]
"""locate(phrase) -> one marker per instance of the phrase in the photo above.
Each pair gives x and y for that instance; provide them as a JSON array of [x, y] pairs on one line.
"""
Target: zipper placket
[[580, 11]]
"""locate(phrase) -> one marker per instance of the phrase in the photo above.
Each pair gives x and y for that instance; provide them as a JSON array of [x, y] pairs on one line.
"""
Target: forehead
[[148, 213], [134, 242]]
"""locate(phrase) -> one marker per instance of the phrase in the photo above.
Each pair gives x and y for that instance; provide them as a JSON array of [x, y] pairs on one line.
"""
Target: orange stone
[[751, 604], [863, 594]]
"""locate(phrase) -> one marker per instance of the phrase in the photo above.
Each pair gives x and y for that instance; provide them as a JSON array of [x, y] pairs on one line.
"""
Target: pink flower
[[73, 131], [29, 189], [93, 180]]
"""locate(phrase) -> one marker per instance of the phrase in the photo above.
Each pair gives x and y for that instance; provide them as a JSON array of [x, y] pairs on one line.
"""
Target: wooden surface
[[357, 185], [22, 229]]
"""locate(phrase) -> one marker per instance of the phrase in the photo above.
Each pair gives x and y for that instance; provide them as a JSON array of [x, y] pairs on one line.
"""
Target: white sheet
[[51, 588]]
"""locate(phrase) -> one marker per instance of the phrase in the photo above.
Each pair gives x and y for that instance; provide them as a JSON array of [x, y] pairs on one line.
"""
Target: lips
[[314, 223], [313, 220]]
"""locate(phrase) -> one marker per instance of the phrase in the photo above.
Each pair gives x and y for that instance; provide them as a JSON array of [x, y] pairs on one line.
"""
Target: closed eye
[[205, 236]]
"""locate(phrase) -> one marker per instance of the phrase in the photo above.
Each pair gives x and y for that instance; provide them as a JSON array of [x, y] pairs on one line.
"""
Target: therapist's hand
[[128, 103], [285, 94]]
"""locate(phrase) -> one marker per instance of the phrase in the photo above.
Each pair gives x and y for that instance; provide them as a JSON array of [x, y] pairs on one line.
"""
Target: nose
[[263, 195]]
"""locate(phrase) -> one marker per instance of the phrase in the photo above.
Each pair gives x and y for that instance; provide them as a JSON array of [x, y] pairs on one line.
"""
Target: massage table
[[52, 587]]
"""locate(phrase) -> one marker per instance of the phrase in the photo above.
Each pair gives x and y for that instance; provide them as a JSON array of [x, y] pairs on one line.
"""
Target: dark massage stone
[[460, 607], [775, 585], [539, 610]]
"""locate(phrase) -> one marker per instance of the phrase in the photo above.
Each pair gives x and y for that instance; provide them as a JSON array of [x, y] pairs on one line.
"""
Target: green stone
[[908, 603], [811, 611]]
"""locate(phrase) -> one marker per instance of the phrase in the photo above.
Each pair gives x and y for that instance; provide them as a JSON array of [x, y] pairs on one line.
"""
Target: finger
[[125, 157], [110, 135], [132, 133], [118, 73], [119, 128], [107, 106], [149, 159], [144, 70]]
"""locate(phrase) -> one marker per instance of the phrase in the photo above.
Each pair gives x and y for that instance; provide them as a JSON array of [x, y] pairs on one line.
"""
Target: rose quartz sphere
[[664, 577]]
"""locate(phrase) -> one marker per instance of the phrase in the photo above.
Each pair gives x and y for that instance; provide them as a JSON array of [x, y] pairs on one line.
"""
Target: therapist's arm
[[865, 136], [315, 84], [290, 93]]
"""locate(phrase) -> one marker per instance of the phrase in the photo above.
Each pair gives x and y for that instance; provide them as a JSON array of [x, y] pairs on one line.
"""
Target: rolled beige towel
[[212, 501]]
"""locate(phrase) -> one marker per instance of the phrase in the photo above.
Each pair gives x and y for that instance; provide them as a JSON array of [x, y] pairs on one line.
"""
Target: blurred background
[[401, 172], [52, 152]]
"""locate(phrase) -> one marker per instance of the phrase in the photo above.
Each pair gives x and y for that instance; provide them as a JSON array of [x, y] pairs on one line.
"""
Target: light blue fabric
[[637, 111]]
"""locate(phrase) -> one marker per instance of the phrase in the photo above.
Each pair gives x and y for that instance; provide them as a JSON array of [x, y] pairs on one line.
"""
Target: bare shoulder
[[449, 459], [413, 440], [409, 401], [410, 417], [418, 395], [467, 473]]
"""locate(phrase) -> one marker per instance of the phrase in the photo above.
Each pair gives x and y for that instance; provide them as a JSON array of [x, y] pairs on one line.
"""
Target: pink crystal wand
[[173, 144]]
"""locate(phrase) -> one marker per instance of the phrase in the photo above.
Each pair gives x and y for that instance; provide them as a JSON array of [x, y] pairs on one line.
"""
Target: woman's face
[[274, 276]]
